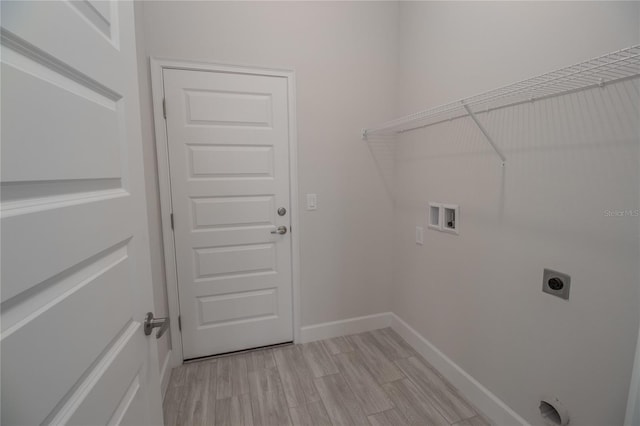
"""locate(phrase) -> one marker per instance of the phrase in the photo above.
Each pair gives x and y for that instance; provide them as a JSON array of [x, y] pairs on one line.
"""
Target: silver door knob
[[150, 323], [280, 230]]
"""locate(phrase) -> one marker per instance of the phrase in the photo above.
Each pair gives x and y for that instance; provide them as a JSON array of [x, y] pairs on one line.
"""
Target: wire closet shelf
[[613, 67]]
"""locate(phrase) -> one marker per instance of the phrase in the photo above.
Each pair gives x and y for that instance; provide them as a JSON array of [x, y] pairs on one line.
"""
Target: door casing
[[161, 139]]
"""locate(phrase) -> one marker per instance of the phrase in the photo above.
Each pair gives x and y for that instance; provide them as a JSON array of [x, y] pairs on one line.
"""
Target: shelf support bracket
[[485, 133]]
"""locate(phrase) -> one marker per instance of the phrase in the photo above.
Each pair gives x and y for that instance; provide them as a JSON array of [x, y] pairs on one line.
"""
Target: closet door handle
[[150, 323]]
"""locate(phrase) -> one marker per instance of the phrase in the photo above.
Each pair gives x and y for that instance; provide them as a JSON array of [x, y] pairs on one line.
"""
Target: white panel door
[[75, 267], [229, 163]]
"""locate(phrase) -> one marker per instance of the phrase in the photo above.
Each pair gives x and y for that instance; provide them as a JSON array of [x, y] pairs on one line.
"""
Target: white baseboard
[[344, 327], [165, 374], [485, 401]]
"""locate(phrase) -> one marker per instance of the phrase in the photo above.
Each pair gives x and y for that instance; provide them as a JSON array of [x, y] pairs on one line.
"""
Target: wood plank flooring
[[370, 379]]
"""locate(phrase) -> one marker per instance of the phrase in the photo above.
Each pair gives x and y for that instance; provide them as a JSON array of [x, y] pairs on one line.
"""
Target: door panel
[[212, 108], [48, 382], [231, 161], [227, 261], [84, 123], [67, 223], [233, 211], [75, 268], [55, 32], [113, 380], [229, 164], [237, 306]]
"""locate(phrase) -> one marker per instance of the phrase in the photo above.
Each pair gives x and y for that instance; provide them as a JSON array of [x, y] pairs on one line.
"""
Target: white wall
[[345, 59], [477, 296]]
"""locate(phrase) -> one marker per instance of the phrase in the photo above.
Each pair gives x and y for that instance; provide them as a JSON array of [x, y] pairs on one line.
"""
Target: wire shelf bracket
[[485, 133], [610, 68]]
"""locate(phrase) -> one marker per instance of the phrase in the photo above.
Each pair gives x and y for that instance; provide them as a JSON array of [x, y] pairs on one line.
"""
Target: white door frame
[[632, 417], [157, 67]]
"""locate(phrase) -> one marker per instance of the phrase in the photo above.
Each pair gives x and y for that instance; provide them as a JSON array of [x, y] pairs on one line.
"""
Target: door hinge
[[171, 220], [164, 108], [179, 323]]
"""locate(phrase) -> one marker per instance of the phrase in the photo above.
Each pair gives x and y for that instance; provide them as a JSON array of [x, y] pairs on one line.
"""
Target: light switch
[[419, 235], [312, 201]]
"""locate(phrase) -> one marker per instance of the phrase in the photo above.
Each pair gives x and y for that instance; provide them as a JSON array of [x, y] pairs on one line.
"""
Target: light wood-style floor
[[373, 379]]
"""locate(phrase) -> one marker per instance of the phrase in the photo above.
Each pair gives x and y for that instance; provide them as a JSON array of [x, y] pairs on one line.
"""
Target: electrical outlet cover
[[556, 283]]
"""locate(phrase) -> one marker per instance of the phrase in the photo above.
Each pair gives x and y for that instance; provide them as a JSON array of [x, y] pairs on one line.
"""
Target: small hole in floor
[[549, 413]]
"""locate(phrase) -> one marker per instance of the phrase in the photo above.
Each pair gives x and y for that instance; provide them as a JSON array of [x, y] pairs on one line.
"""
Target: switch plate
[[312, 201], [419, 235]]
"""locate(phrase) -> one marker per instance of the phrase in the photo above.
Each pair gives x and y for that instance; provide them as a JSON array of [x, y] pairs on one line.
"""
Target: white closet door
[[229, 166], [75, 267]]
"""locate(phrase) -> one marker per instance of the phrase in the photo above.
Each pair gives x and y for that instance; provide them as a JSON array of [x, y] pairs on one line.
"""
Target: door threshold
[[209, 357]]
